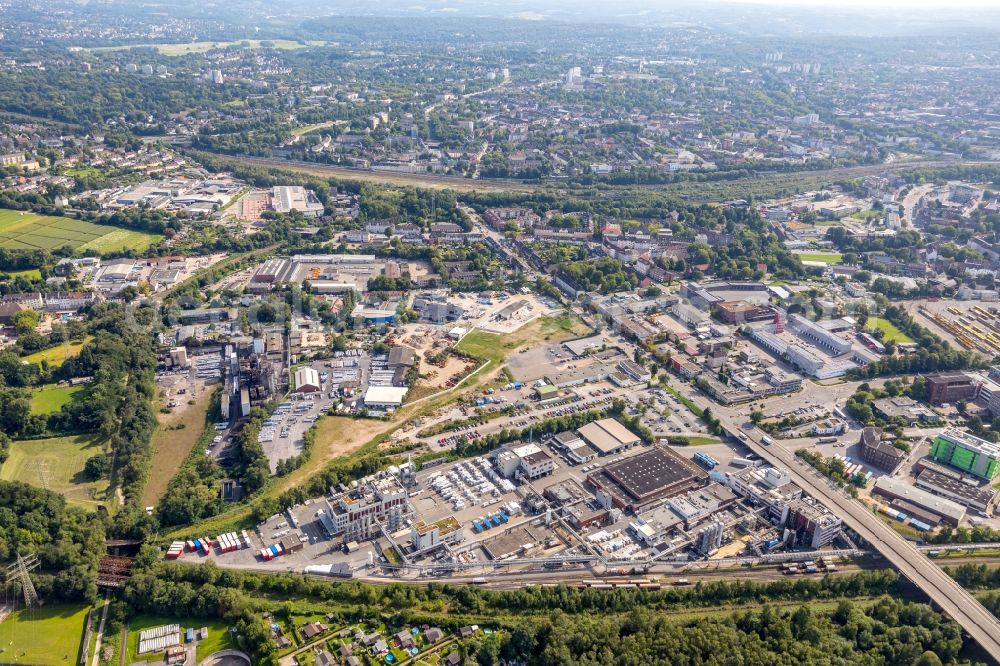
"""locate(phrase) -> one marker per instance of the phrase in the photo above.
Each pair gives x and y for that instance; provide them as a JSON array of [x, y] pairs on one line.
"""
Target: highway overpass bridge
[[949, 596]]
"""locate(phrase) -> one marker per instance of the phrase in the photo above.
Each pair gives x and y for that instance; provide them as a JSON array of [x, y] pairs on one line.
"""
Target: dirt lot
[[176, 387], [172, 446], [423, 338], [438, 377]]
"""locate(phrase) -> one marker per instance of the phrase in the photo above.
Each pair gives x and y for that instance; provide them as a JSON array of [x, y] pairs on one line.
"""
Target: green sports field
[[823, 257], [29, 231], [46, 636], [56, 463]]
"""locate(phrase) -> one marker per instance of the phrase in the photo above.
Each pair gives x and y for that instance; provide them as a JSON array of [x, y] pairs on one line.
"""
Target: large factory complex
[[531, 504]]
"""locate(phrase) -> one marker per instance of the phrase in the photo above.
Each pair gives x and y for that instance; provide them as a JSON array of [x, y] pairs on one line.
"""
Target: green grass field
[[822, 257], [30, 274], [56, 463], [483, 345], [85, 171], [29, 231], [49, 635], [548, 329], [891, 332], [51, 398], [306, 129], [219, 637], [56, 355]]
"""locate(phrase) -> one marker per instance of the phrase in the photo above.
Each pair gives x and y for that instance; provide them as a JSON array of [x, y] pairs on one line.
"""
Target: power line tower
[[18, 574]]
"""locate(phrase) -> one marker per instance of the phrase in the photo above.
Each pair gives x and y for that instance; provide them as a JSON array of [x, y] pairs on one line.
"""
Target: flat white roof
[[385, 395], [288, 197], [525, 450]]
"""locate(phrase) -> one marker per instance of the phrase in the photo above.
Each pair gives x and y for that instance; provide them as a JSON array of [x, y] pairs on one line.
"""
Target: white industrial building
[[358, 514], [524, 461], [818, 335], [384, 398], [307, 380], [286, 198], [447, 530]]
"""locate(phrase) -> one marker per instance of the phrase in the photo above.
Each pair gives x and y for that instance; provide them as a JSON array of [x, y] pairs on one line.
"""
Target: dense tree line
[[111, 402], [62, 94], [606, 275], [559, 625], [121, 359], [975, 534], [889, 633], [859, 404], [535, 600], [932, 355], [975, 576], [69, 541], [194, 494]]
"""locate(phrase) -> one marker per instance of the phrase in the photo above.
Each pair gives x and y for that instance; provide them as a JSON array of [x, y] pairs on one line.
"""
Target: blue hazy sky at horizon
[[866, 4]]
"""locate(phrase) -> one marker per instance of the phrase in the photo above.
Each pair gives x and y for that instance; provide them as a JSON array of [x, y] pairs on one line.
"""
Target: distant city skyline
[[882, 4]]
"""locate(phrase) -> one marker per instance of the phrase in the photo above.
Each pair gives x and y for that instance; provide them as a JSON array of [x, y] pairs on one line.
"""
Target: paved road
[[951, 597], [100, 632], [911, 200]]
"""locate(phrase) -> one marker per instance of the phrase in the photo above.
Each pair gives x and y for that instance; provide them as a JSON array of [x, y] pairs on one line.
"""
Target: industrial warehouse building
[[897, 491], [740, 312], [982, 498], [286, 198], [642, 479], [524, 461], [608, 436], [384, 397], [306, 380]]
